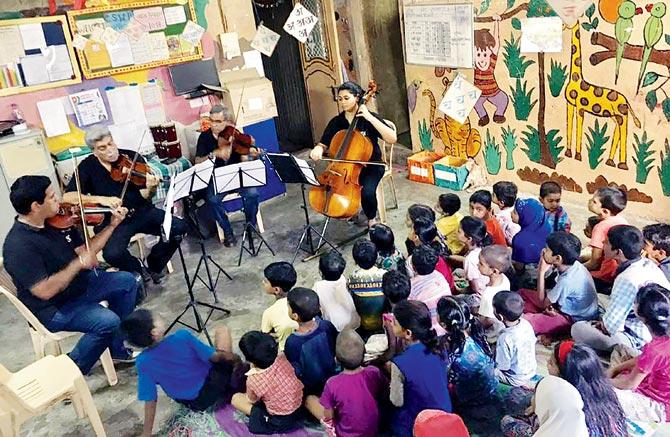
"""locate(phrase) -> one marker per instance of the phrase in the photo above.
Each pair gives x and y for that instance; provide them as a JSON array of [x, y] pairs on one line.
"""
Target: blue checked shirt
[[619, 316]]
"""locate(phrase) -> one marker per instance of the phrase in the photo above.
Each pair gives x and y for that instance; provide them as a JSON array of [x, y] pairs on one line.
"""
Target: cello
[[339, 195]]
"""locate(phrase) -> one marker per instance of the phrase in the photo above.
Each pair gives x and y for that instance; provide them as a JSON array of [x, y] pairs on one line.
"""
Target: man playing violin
[[214, 143], [98, 186], [56, 277], [372, 126]]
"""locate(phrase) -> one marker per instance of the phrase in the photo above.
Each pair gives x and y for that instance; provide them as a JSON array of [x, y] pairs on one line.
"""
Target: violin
[[69, 215], [126, 169], [240, 142], [339, 195]]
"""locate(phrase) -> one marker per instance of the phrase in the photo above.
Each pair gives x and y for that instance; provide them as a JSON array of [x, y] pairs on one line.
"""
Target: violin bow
[[132, 166], [87, 240]]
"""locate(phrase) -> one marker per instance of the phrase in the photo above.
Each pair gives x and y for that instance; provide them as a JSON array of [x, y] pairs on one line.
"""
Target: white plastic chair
[[387, 157], [43, 384]]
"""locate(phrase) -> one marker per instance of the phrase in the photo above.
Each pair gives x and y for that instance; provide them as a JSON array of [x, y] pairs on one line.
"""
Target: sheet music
[[182, 181], [169, 203], [307, 171], [228, 178]]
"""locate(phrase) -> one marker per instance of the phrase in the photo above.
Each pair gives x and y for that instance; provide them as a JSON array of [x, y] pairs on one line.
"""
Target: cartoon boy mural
[[486, 56]]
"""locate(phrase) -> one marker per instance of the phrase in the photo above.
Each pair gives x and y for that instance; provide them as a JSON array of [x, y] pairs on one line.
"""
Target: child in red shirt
[[480, 207]]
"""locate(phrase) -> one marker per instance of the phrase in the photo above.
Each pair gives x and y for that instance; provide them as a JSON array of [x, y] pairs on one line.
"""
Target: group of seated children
[[413, 339]]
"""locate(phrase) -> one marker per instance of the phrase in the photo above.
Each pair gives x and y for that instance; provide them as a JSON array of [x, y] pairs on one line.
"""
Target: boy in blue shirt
[[188, 370]]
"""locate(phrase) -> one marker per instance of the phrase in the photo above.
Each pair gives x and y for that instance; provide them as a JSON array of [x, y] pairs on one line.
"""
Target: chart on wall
[[135, 36], [36, 53], [439, 35]]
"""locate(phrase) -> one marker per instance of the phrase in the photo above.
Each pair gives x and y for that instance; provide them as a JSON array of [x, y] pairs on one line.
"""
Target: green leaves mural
[[596, 140], [492, 154], [557, 76], [425, 136], [515, 62], [664, 169], [532, 140], [509, 143], [651, 97], [521, 100], [643, 157]]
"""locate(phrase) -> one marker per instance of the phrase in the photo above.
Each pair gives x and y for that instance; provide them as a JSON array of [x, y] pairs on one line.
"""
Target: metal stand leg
[[307, 232], [248, 238]]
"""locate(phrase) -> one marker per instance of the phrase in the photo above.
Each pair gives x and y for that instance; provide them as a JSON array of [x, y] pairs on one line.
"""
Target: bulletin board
[[134, 36], [36, 54]]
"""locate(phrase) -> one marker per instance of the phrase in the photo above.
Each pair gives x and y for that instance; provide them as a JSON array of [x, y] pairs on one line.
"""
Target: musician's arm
[[72, 197], [54, 284], [386, 132]]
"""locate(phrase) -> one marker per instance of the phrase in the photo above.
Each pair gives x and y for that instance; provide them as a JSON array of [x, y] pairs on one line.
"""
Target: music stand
[[292, 170], [184, 185], [248, 174]]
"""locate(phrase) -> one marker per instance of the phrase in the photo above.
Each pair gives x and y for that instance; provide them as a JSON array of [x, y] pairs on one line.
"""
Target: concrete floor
[[120, 412]]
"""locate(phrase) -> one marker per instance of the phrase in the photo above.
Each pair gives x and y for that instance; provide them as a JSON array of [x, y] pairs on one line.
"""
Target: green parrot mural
[[653, 31], [623, 29]]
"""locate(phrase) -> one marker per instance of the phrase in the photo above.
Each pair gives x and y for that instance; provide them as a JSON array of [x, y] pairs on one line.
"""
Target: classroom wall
[[537, 141], [177, 108]]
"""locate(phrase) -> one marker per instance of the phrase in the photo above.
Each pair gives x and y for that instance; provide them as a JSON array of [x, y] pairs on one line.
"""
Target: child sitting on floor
[[606, 203], [550, 197], [414, 212], [449, 204], [189, 371], [349, 399], [311, 348], [428, 285], [504, 195], [337, 306], [657, 245], [365, 286], [528, 243], [425, 232], [274, 393], [280, 277], [515, 350], [473, 233], [388, 256], [419, 374], [480, 207], [573, 297], [472, 372], [493, 261], [644, 381]]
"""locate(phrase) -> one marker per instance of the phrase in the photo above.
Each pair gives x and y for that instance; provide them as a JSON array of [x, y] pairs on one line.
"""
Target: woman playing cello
[[370, 125]]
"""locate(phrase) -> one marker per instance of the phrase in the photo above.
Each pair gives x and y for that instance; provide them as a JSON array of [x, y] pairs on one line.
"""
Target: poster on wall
[[265, 40], [459, 99], [439, 35], [89, 107], [300, 23], [542, 35]]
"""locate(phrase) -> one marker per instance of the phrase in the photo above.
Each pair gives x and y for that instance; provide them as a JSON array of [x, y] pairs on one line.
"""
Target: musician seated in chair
[[56, 277], [212, 143], [370, 125], [99, 186]]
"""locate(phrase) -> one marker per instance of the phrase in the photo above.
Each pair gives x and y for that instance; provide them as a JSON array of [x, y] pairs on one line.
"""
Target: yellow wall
[[636, 162]]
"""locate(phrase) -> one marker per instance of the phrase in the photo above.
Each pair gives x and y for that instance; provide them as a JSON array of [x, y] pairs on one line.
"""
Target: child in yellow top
[[280, 278], [449, 204]]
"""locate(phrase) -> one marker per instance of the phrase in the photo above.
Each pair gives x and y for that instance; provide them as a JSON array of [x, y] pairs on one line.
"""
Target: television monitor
[[187, 78]]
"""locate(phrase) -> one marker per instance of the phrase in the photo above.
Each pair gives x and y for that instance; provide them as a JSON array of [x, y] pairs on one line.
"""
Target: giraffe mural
[[583, 97]]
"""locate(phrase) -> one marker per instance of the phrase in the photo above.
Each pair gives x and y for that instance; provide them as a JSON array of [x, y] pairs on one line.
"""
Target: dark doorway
[[284, 69]]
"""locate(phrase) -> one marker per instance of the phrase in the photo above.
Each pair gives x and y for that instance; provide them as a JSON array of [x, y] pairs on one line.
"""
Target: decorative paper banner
[[230, 45], [192, 33], [118, 20], [265, 40], [300, 23], [542, 34], [570, 10], [459, 99], [89, 107]]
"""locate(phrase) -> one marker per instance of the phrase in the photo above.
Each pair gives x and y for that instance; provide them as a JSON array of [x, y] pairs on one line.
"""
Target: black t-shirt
[[340, 122], [32, 254], [207, 144], [97, 181]]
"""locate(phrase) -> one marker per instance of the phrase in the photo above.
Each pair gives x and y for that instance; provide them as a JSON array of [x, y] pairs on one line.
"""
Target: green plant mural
[[425, 136], [557, 77], [522, 100], [644, 157], [531, 138], [592, 22], [664, 169], [492, 154], [596, 140], [516, 63], [509, 143], [651, 98]]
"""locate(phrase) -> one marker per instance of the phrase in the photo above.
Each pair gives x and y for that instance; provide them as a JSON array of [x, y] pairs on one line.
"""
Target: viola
[[339, 195], [241, 143], [124, 165], [69, 215]]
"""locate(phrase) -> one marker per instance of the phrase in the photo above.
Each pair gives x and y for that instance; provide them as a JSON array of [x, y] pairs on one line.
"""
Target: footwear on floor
[[126, 359], [229, 240]]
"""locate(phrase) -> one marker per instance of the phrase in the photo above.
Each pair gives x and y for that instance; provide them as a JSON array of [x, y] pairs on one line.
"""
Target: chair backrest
[[27, 314], [5, 279], [5, 374], [387, 156]]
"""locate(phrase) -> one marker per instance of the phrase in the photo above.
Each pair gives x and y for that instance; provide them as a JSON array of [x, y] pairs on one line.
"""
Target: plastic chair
[[35, 389], [46, 342], [259, 217], [387, 157], [141, 248]]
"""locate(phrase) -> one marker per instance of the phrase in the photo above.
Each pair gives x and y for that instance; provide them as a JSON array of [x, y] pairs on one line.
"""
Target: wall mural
[[607, 91]]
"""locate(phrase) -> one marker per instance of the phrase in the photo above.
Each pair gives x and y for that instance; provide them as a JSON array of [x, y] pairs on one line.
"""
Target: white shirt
[[337, 305], [471, 268], [486, 300], [515, 353]]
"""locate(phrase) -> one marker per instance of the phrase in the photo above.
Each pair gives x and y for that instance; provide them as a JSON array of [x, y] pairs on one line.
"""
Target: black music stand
[[248, 174], [293, 171], [190, 181]]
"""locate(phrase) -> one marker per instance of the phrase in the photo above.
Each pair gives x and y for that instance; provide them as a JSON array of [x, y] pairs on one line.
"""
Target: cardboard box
[[450, 172], [420, 167], [252, 95]]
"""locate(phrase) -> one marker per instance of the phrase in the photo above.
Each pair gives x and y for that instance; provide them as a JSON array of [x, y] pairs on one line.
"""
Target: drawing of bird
[[412, 91], [653, 31], [622, 30]]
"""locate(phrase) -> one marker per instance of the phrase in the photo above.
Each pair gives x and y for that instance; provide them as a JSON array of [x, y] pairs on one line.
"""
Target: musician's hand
[[112, 202], [364, 112], [118, 215], [254, 152], [223, 153], [152, 181], [317, 153], [88, 260]]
